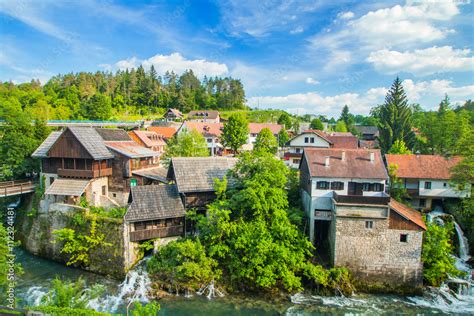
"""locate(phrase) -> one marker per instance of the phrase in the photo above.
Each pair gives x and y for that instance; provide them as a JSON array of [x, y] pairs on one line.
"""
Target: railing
[[161, 232], [413, 192], [10, 188], [360, 199], [79, 173]]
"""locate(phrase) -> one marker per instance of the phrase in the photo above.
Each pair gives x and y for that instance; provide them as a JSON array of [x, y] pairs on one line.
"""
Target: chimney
[[326, 162], [372, 157], [343, 156]]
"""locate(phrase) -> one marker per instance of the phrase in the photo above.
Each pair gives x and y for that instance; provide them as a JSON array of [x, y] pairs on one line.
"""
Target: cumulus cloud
[[310, 80], [173, 62], [422, 61], [346, 15], [316, 103]]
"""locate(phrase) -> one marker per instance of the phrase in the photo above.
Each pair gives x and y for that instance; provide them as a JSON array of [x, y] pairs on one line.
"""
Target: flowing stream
[[456, 297]]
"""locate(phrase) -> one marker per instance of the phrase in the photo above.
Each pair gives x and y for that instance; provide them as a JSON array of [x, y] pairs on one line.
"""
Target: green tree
[[265, 142], [341, 127], [397, 190], [316, 124], [285, 119], [395, 118], [236, 131], [99, 107], [400, 148], [347, 117], [283, 137], [438, 262], [149, 309], [444, 105], [187, 144]]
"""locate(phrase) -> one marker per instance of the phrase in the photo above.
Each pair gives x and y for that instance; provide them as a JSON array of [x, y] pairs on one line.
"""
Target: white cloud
[[422, 61], [297, 30], [310, 80], [346, 15], [173, 62], [427, 93]]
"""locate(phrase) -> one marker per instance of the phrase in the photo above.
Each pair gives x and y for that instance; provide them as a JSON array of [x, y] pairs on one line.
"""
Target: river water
[[39, 272]]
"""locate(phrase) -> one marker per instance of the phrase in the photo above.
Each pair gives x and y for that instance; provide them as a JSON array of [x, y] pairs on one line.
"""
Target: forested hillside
[[104, 95]]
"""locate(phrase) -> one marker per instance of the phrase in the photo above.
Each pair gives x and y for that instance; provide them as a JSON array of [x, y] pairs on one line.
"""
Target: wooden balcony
[[413, 192], [78, 173], [360, 199], [161, 232]]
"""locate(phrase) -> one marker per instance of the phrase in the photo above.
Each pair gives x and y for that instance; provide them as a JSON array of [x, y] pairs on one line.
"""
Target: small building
[[173, 115], [256, 128], [149, 139], [211, 131], [368, 132], [194, 178], [155, 211], [426, 178], [204, 116], [353, 220]]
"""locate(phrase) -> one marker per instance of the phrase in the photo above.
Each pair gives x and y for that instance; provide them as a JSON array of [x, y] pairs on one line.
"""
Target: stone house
[[354, 221], [426, 178]]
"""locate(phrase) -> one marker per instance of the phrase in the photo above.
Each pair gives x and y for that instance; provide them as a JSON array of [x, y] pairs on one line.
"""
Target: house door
[[355, 188]]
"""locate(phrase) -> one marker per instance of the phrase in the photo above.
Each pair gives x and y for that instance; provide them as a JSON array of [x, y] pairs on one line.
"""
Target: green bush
[[66, 311]]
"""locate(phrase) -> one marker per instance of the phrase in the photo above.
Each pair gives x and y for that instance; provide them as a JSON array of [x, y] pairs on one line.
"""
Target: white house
[[296, 145], [427, 178], [211, 132]]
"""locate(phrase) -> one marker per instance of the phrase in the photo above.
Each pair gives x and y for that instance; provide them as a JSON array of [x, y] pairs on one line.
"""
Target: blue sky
[[301, 56]]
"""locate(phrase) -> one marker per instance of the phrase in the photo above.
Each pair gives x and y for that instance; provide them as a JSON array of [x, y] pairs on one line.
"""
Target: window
[[104, 190], [336, 185], [403, 238], [298, 150], [306, 140], [296, 161], [369, 224], [114, 195], [378, 187], [365, 186], [51, 180], [312, 140], [133, 182], [209, 140], [445, 184], [428, 185], [322, 185]]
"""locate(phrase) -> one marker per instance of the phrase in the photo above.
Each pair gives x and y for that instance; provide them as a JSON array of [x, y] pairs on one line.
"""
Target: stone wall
[[376, 254]]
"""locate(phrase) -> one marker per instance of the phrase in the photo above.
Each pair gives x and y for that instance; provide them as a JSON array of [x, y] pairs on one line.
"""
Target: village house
[[166, 132], [210, 131], [149, 139], [368, 136], [173, 115], [93, 163], [316, 139], [426, 178], [204, 116], [355, 221], [256, 128], [194, 178]]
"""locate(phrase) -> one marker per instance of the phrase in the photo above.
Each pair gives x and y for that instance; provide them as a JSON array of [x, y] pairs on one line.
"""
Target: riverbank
[[39, 272]]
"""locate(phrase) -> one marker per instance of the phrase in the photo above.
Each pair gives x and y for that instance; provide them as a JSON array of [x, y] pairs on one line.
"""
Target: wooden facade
[[398, 222], [67, 146], [161, 228], [198, 200]]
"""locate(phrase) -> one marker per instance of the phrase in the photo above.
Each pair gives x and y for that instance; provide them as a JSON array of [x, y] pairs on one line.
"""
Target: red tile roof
[[255, 128], [150, 138], [206, 129], [338, 139], [356, 164], [423, 166], [408, 213], [166, 132]]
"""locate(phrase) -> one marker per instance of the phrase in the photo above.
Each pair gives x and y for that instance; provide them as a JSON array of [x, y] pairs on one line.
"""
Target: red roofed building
[[149, 139], [343, 194], [426, 178], [165, 131], [210, 131]]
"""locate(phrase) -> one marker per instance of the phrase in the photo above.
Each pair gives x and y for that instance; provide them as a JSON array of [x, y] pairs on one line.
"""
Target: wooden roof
[[131, 149], [92, 142], [356, 165], [165, 131], [150, 202], [42, 150], [113, 134], [197, 174], [408, 213], [68, 187], [157, 173], [423, 166]]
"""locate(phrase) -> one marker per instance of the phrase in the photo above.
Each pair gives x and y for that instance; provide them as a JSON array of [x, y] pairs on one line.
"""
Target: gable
[[299, 141], [68, 146]]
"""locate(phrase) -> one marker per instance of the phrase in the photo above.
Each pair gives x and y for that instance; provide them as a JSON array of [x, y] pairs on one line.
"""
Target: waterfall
[[463, 243]]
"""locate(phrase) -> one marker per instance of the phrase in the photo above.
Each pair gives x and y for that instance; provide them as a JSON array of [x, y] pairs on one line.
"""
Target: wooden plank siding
[[67, 146], [398, 222]]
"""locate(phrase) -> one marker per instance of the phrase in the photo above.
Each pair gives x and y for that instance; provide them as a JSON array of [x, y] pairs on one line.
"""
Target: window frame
[[427, 185], [337, 185], [404, 238], [369, 224], [319, 185]]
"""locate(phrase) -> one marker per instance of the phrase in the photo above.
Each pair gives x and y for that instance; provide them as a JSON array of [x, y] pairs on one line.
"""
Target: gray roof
[[158, 173], [67, 187], [367, 129], [42, 150], [113, 134], [150, 202], [92, 142], [131, 149], [197, 174]]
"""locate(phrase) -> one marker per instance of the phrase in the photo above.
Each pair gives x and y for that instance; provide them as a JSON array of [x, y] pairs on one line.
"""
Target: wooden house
[[149, 139]]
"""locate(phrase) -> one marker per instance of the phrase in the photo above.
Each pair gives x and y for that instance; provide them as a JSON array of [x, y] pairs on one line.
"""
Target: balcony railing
[[413, 192], [78, 173], [360, 199], [161, 232]]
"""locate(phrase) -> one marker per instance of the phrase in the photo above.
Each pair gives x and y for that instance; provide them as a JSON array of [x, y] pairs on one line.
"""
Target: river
[[39, 272]]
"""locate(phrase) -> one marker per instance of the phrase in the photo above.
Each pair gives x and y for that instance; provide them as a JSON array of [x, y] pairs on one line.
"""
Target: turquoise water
[[39, 272]]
